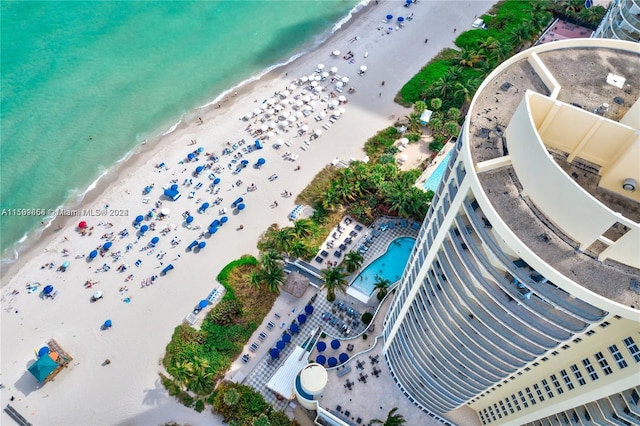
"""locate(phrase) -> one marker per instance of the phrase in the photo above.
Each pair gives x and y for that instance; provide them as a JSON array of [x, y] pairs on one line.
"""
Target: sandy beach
[[128, 391]]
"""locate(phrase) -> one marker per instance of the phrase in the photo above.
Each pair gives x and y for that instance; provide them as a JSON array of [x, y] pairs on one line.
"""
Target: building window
[[530, 395], [538, 392], [557, 384], [605, 324], [523, 399], [504, 410], [590, 370], [615, 353], [633, 348], [497, 411], [535, 364], [590, 332], [603, 364], [547, 388], [493, 415], [578, 374], [567, 379], [509, 405], [545, 359], [554, 353], [515, 402], [565, 347], [577, 340]]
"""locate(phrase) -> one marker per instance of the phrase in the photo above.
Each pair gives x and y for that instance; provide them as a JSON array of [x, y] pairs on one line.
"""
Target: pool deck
[[434, 165]]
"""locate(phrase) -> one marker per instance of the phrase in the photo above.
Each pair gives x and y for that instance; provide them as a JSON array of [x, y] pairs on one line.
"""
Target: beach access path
[[128, 390]]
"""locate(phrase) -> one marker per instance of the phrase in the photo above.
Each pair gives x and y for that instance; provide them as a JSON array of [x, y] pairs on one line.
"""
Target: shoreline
[[34, 242], [144, 316]]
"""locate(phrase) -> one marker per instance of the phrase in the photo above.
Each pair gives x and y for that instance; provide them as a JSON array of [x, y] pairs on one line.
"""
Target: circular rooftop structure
[[314, 378]]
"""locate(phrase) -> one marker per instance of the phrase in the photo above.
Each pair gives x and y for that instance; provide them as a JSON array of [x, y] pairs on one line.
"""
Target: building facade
[[520, 301], [621, 22]]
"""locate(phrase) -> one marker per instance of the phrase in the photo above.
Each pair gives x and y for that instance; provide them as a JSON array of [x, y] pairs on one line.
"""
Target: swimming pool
[[434, 179], [389, 266]]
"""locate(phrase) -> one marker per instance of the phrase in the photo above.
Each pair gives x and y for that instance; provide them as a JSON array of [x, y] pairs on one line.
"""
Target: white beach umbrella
[[313, 103], [322, 114], [165, 211], [298, 114], [304, 79], [342, 98], [318, 132], [286, 114], [403, 141], [318, 89], [285, 93], [314, 83], [270, 101], [334, 70], [305, 128], [292, 119], [264, 106], [336, 114], [292, 87], [363, 68], [280, 141], [273, 125], [324, 74], [320, 66], [257, 111], [306, 98], [270, 134], [307, 108], [404, 157], [345, 80], [299, 103], [336, 53], [264, 127], [339, 84], [270, 111], [318, 78], [342, 110], [334, 102], [248, 115]]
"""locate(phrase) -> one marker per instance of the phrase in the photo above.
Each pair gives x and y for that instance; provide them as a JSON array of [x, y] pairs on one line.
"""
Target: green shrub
[[364, 337], [185, 399], [225, 312], [413, 137], [199, 406], [367, 317]]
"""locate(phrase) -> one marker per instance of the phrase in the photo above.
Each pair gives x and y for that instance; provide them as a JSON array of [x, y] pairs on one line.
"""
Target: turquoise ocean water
[[83, 83]]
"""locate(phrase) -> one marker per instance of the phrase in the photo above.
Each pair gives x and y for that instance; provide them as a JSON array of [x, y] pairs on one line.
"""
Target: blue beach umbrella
[[44, 351], [237, 201], [286, 337], [332, 361], [155, 241], [335, 344], [261, 161], [139, 218], [48, 289], [224, 219], [321, 346], [302, 318], [321, 359], [400, 19], [343, 358], [244, 162], [189, 219], [280, 345], [389, 17], [199, 169], [144, 228], [204, 207], [241, 206], [202, 245], [203, 304], [213, 229], [294, 328], [274, 352], [308, 309], [200, 150], [93, 254], [107, 245], [192, 245], [107, 323], [215, 222], [190, 156], [216, 181]]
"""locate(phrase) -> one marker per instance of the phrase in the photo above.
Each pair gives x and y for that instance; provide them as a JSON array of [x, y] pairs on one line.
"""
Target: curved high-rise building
[[520, 301], [621, 22]]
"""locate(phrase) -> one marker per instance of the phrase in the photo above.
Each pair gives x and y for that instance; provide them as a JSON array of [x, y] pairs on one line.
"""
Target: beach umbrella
[[304, 79], [336, 53], [204, 207], [342, 99], [257, 111], [274, 352], [305, 128], [400, 19], [294, 328], [224, 219], [107, 323], [345, 80], [216, 222], [199, 169], [189, 219], [165, 211], [318, 132], [335, 344], [321, 359], [144, 228], [202, 245], [190, 156], [213, 229], [97, 295], [216, 181], [82, 225], [139, 218], [43, 351], [193, 244], [363, 68], [334, 70], [65, 265], [47, 289], [261, 160], [308, 309], [241, 206], [200, 150], [321, 346], [343, 358], [339, 84], [314, 83], [332, 361], [203, 304], [280, 345], [389, 17], [409, 1], [286, 337], [302, 318], [320, 66], [245, 162], [107, 245], [93, 254], [155, 241]]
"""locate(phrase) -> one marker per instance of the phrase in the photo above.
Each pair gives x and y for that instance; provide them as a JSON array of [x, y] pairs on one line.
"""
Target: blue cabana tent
[[189, 219], [172, 194], [202, 245], [302, 318], [236, 202], [294, 328], [107, 245], [321, 359], [213, 229], [257, 144], [192, 245], [335, 344], [93, 254], [215, 223], [167, 269], [44, 351], [343, 358], [286, 337], [321, 346], [274, 352], [203, 304], [308, 309], [43, 367], [389, 17], [332, 361], [241, 206], [280, 345]]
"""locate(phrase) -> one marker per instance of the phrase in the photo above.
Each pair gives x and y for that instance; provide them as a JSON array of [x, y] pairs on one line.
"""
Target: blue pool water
[[433, 181], [389, 266]]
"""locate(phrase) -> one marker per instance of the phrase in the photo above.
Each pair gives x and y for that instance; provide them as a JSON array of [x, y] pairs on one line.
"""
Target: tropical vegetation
[[335, 279], [392, 419], [241, 405], [382, 285]]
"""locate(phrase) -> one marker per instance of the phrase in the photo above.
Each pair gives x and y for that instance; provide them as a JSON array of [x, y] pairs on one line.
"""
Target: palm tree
[[436, 125], [282, 240], [520, 35], [303, 228], [352, 261], [453, 114], [413, 122], [382, 285], [262, 420], [396, 196], [451, 128], [231, 397], [335, 279], [201, 378], [274, 278], [436, 104], [271, 259], [181, 372], [301, 250], [392, 419], [256, 278], [419, 107]]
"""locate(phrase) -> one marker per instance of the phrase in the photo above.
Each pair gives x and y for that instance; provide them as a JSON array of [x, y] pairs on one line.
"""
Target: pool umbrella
[[335, 344], [274, 352], [261, 161], [286, 337], [44, 351], [108, 324], [241, 206], [224, 219], [107, 245], [321, 359], [280, 345], [308, 309], [332, 361], [189, 219], [400, 19], [216, 181], [139, 218], [82, 225], [343, 358], [321, 346], [203, 304], [144, 228], [202, 245], [155, 241], [93, 254], [213, 229], [199, 169], [174, 187], [295, 328], [302, 318]]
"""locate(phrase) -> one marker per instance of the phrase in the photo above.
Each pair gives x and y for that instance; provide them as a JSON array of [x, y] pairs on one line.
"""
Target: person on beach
[[426, 40]]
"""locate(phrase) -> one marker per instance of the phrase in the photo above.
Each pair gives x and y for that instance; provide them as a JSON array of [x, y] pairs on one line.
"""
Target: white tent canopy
[[283, 379]]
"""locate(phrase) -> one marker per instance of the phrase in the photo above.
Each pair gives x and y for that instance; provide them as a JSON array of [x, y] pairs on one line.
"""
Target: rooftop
[[581, 72]]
